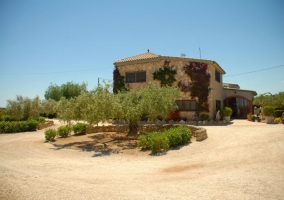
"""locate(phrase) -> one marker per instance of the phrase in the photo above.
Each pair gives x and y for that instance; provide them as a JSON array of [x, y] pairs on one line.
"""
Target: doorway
[[240, 106]]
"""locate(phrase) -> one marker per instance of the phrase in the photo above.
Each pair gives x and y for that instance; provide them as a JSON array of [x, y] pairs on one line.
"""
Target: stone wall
[[45, 125]]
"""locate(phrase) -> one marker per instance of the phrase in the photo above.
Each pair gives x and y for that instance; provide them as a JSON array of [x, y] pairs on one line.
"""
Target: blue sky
[[56, 41]]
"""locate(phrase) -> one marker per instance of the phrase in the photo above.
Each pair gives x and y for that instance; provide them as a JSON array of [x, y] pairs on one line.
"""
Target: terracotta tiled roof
[[142, 56]]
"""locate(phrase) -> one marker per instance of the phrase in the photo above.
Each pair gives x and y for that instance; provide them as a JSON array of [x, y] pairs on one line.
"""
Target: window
[[186, 105], [217, 76], [135, 77]]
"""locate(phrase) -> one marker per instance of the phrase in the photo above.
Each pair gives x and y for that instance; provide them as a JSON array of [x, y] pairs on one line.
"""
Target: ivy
[[200, 81], [118, 81], [166, 74]]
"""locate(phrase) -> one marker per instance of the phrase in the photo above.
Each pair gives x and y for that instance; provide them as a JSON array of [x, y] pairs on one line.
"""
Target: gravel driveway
[[244, 160]]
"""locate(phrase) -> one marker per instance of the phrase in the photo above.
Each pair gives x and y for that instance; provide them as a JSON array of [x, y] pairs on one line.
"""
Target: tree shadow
[[101, 147]]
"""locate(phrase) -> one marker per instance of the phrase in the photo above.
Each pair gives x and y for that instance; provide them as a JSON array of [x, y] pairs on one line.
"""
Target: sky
[[60, 41]]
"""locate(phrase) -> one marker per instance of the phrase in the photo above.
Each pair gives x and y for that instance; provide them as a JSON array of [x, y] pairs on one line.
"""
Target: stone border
[[199, 133], [45, 125]]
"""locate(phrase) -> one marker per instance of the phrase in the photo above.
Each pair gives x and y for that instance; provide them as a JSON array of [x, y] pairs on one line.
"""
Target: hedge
[[18, 126]]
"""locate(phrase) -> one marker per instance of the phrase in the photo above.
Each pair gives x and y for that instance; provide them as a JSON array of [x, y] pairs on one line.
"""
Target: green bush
[[8, 118], [18, 126], [178, 135], [50, 134], [278, 113], [174, 137], [277, 120], [158, 142], [41, 120], [79, 128], [268, 110], [32, 125], [204, 117], [142, 141], [226, 111], [63, 131], [162, 141], [185, 134]]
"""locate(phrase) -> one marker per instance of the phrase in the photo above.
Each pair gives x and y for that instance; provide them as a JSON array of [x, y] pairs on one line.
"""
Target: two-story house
[[138, 72]]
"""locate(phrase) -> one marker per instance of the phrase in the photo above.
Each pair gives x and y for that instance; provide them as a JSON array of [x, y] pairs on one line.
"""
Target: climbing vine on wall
[[166, 74], [200, 81], [118, 81]]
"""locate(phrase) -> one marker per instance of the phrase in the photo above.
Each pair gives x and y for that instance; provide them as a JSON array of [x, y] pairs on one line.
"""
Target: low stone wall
[[198, 132], [45, 125]]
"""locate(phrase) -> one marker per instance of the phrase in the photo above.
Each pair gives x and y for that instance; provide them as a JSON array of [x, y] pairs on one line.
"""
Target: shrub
[[162, 141], [8, 118], [185, 134], [277, 120], [79, 128], [51, 116], [41, 120], [18, 126], [178, 135], [278, 113], [50, 134], [63, 131], [174, 137], [226, 111], [204, 117], [142, 141], [268, 110], [158, 142], [32, 125]]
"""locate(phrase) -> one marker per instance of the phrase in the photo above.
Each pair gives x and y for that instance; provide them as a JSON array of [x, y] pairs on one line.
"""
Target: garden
[[268, 108]]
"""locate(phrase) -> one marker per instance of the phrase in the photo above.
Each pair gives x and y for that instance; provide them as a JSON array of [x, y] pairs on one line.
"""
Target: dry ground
[[244, 160]]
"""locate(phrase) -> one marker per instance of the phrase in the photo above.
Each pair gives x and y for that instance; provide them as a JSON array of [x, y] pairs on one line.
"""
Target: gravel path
[[244, 160]]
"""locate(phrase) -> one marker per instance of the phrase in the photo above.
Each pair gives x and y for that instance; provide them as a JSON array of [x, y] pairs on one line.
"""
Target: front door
[[240, 106]]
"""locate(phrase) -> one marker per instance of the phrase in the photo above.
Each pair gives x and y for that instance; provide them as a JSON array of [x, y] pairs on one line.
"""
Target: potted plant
[[226, 112], [249, 116], [268, 113], [253, 118]]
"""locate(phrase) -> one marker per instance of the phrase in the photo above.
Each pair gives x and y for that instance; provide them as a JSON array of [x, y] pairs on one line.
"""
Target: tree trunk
[[133, 129]]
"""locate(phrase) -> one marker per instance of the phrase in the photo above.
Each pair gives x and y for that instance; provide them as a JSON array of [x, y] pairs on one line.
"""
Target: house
[[203, 86]]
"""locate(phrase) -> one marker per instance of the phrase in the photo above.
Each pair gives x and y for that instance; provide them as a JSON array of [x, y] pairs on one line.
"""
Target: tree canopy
[[276, 100], [100, 104], [68, 90], [153, 101], [24, 108]]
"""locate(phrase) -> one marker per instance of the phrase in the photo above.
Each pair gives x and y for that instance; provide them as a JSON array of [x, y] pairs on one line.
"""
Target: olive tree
[[276, 100], [15, 108], [66, 110], [128, 106], [95, 106], [24, 108], [153, 100], [159, 101], [49, 106]]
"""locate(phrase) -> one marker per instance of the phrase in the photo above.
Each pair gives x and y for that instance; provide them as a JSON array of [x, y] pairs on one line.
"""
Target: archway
[[240, 106]]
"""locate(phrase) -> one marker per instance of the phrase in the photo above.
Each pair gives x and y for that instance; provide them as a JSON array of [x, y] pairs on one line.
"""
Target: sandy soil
[[244, 160]]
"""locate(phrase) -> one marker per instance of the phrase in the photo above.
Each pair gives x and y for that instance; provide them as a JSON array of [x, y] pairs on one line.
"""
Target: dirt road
[[244, 160]]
